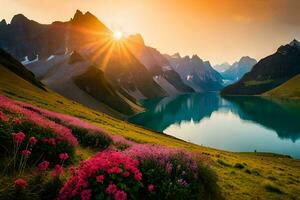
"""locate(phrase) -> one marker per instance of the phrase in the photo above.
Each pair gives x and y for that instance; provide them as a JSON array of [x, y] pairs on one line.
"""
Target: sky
[[216, 30]]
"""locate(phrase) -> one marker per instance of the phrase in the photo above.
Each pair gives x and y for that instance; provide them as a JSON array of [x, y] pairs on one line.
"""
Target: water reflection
[[185, 115]]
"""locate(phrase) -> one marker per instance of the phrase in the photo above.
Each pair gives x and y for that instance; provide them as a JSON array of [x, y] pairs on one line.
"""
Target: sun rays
[[104, 46]]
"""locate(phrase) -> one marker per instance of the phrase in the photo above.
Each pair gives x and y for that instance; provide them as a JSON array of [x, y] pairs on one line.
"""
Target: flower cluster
[[43, 166], [171, 166], [110, 173], [19, 137], [20, 183], [34, 117], [162, 155], [63, 156], [76, 122], [3, 117]]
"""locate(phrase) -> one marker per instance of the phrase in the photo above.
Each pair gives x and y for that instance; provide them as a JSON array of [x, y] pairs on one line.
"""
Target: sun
[[118, 35]]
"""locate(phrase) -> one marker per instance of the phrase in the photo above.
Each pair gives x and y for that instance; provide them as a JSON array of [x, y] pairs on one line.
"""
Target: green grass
[[254, 82], [234, 182], [289, 89]]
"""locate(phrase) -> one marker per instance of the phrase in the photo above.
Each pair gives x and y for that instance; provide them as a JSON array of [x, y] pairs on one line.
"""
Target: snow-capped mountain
[[239, 69], [158, 65], [196, 73]]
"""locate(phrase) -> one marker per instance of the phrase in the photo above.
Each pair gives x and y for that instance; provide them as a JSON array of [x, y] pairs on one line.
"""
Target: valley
[[90, 112]]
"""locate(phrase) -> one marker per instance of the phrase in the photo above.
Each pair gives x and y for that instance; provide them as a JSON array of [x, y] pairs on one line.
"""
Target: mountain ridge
[[268, 73]]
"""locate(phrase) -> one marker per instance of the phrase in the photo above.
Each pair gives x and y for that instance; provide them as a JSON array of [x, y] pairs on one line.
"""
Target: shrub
[[90, 138], [271, 187], [173, 173], [224, 163], [108, 175], [239, 166]]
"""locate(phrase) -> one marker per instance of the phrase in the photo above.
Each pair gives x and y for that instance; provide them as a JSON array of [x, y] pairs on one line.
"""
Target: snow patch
[[189, 77], [26, 61], [50, 57]]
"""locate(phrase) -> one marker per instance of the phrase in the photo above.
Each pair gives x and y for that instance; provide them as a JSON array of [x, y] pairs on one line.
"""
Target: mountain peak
[[78, 14], [295, 43], [137, 39], [247, 59], [3, 23], [88, 20], [176, 55], [196, 58], [19, 18]]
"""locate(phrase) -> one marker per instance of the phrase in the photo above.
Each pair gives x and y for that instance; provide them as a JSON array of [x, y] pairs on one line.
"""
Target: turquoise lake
[[239, 124]]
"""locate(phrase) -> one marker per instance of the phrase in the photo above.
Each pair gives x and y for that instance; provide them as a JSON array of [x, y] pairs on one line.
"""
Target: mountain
[[7, 61], [26, 38], [196, 73], [162, 73], [76, 78], [239, 69], [269, 72], [49, 52], [222, 67]]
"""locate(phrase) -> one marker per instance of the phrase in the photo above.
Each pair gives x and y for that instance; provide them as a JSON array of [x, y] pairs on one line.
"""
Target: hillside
[[16, 67], [269, 72], [247, 183], [289, 89]]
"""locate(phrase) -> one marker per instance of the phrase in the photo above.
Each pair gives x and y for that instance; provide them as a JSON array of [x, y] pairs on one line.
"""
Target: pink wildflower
[[138, 176], [17, 121], [3, 117], [150, 188], [120, 195], [58, 170], [33, 140], [182, 182], [63, 156], [86, 195], [111, 188], [52, 141], [19, 137], [26, 152], [21, 183], [100, 178], [43, 166], [72, 170], [126, 174]]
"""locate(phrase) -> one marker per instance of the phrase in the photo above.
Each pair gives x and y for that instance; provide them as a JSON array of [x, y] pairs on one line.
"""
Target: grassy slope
[[235, 183], [289, 89]]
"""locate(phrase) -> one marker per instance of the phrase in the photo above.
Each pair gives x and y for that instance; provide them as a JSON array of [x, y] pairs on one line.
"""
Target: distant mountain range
[[271, 72], [196, 73], [158, 65], [222, 67], [238, 69], [80, 60]]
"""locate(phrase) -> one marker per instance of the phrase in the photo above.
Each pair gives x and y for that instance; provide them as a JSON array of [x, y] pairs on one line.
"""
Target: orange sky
[[216, 30]]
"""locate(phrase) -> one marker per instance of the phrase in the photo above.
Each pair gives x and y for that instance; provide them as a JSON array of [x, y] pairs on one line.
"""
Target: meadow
[[239, 175]]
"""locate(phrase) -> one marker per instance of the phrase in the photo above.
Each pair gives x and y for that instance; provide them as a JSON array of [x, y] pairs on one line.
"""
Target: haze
[[216, 30]]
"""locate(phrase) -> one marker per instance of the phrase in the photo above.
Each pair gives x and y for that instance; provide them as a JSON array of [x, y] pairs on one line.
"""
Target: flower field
[[38, 146]]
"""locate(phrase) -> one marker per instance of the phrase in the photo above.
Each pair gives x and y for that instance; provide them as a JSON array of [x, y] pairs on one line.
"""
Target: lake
[[239, 124]]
